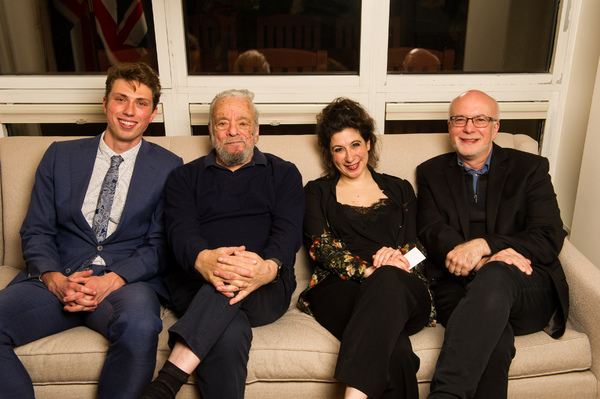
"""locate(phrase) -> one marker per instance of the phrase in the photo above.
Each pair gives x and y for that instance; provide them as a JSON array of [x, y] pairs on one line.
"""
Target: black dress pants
[[220, 334], [481, 319], [373, 321]]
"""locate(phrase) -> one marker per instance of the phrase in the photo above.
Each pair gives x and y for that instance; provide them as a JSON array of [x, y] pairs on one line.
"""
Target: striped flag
[[121, 25]]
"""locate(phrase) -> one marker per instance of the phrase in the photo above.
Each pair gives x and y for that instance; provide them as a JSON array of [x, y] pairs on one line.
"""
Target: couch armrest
[[583, 278]]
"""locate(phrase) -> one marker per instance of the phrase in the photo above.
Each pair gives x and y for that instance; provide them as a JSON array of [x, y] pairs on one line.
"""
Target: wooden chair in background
[[283, 60], [215, 35], [288, 31], [347, 32]]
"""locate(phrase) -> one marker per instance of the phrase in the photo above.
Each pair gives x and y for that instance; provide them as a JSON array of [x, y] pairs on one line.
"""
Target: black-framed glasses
[[478, 121]]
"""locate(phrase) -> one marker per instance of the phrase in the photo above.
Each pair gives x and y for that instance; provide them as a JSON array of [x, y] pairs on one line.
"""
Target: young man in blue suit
[[489, 219], [94, 245]]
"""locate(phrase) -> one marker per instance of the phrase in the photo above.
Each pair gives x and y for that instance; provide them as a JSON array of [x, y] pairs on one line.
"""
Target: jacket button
[[99, 248], [68, 271]]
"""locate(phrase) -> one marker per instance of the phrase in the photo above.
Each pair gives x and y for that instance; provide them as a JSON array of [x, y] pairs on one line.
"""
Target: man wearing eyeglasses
[[489, 219], [234, 223]]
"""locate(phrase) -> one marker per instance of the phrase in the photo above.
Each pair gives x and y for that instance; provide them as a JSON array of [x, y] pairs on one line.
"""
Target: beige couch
[[295, 357]]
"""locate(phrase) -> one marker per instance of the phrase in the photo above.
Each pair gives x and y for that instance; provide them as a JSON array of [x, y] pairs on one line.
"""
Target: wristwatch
[[279, 266]]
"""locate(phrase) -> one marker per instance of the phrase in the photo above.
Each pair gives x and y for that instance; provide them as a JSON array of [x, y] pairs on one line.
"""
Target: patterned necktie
[[105, 200]]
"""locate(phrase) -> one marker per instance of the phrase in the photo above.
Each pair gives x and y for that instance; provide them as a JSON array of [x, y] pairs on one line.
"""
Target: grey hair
[[239, 93]]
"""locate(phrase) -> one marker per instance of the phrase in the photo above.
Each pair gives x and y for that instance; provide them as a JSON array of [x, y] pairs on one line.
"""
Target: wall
[[586, 218], [578, 78], [486, 35], [29, 58]]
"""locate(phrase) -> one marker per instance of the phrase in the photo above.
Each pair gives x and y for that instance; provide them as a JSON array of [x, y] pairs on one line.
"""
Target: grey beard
[[234, 159], [231, 159]]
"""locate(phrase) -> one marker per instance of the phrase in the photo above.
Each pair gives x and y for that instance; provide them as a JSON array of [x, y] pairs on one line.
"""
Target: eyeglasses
[[478, 121], [225, 125]]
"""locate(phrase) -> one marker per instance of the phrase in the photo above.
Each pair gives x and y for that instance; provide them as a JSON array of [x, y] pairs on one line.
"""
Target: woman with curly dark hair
[[358, 226]]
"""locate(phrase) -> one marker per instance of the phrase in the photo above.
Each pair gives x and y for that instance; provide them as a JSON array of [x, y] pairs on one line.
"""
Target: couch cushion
[[72, 356], [297, 348], [537, 354], [7, 273]]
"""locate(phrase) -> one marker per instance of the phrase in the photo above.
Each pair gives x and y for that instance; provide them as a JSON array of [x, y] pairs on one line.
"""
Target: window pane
[[75, 36], [534, 128], [71, 129], [272, 36], [471, 35]]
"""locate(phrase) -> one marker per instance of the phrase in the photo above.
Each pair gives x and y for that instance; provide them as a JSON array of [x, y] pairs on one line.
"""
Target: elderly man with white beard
[[234, 223]]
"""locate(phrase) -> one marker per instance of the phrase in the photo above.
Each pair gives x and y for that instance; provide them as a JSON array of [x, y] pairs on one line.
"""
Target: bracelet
[[279, 266]]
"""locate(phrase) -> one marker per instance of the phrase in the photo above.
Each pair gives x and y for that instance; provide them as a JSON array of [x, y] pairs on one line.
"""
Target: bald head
[[475, 98]]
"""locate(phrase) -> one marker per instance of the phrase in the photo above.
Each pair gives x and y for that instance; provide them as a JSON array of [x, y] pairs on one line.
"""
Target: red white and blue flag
[[121, 25]]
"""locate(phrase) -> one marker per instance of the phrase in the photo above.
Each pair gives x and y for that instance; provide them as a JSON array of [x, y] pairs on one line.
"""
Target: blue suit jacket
[[55, 235]]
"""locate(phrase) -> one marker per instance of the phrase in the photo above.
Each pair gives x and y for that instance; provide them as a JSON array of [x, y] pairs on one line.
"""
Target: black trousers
[[220, 334], [482, 317], [373, 321]]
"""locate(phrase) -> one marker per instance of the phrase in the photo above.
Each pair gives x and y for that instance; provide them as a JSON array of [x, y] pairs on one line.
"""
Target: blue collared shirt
[[477, 173]]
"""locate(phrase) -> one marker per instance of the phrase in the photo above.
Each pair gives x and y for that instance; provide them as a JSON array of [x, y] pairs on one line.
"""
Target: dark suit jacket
[[521, 213], [55, 235]]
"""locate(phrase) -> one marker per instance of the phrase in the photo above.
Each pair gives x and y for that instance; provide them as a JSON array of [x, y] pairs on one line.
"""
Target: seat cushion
[[296, 348]]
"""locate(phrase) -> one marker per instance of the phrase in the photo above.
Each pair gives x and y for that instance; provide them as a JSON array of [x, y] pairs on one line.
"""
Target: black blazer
[[521, 213]]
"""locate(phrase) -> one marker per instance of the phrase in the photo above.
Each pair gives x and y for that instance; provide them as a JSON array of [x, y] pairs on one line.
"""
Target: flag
[[121, 25]]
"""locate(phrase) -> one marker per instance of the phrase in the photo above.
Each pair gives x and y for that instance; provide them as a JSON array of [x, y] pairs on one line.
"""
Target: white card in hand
[[414, 257]]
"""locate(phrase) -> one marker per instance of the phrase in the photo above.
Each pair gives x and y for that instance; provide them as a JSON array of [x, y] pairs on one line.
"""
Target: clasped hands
[[472, 255], [81, 292], [387, 256], [235, 272]]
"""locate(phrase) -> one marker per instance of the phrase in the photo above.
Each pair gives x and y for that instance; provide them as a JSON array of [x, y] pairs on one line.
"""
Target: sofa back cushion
[[399, 155]]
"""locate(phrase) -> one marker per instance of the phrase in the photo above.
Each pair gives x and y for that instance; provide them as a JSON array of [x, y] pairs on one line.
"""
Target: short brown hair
[[134, 72], [341, 114]]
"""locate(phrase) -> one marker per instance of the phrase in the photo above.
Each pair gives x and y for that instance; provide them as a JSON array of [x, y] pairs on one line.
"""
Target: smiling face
[[349, 153], [129, 111], [233, 131], [473, 144]]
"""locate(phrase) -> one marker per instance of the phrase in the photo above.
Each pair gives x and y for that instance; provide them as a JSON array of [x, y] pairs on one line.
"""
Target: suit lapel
[[456, 186], [142, 181], [82, 165], [496, 179]]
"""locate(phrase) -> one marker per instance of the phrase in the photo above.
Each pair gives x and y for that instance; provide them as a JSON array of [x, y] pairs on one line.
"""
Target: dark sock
[[167, 384]]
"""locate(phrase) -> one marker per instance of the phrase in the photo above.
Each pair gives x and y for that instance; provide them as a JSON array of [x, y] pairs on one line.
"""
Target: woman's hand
[[368, 271], [387, 256]]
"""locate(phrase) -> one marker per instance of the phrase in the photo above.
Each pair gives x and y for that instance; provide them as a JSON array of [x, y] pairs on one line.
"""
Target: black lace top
[[365, 230]]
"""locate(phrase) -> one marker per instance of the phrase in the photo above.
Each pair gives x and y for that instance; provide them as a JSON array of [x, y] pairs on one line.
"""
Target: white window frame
[[296, 99]]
